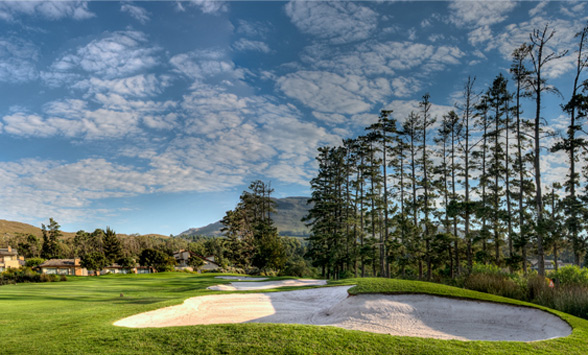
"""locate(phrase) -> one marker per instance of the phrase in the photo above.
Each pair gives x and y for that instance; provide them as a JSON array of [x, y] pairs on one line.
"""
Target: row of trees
[[422, 196]]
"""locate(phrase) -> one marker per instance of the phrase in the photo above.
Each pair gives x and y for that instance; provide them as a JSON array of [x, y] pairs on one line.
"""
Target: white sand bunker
[[248, 286], [406, 315], [241, 278]]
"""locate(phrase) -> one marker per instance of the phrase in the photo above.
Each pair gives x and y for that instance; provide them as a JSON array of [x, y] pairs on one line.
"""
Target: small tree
[[95, 261], [156, 259]]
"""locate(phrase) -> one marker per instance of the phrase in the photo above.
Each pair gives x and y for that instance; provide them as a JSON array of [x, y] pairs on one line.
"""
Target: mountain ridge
[[287, 218]]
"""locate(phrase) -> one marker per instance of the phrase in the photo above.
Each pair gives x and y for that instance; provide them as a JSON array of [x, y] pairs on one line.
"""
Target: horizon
[[153, 117]]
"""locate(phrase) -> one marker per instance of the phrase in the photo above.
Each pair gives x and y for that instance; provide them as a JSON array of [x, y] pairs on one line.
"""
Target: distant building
[[9, 259], [118, 269], [548, 263], [183, 259], [63, 267]]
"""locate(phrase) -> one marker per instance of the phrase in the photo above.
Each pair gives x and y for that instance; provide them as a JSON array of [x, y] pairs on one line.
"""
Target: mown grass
[[76, 317]]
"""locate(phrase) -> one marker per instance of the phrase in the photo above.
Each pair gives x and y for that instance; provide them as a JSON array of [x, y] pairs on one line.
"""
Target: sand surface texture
[[248, 286], [241, 278], [408, 315]]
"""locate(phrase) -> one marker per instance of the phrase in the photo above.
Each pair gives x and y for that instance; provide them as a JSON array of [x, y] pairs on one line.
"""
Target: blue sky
[[153, 117]]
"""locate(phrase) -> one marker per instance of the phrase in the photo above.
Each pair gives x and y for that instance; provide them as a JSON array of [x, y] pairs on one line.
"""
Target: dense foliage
[[424, 199]]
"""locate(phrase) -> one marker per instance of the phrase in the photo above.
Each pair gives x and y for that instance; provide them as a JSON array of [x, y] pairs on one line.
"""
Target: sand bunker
[[241, 278], [248, 286], [407, 315]]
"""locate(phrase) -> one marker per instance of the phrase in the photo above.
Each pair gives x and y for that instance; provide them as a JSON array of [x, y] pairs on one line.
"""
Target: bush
[[26, 274], [298, 268], [32, 262], [571, 276], [48, 278], [495, 284]]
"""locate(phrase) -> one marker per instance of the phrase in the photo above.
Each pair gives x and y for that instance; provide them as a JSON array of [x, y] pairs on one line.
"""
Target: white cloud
[[106, 117], [22, 124], [337, 22], [206, 6], [479, 13], [142, 85], [115, 55], [402, 108], [232, 135], [564, 39], [403, 87], [480, 35], [539, 9], [333, 93], [17, 60], [51, 10], [244, 44], [203, 64], [252, 29], [136, 12], [387, 58]]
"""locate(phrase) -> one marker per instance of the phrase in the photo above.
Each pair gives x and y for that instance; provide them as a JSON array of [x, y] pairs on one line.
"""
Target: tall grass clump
[[492, 279], [569, 292]]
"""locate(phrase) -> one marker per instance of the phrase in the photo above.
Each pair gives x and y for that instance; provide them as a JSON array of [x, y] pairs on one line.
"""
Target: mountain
[[287, 218]]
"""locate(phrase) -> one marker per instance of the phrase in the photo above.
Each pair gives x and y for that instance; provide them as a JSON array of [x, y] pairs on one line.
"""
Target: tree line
[[429, 196]]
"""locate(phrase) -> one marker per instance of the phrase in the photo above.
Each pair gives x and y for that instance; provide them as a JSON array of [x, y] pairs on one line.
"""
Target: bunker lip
[[249, 286], [415, 315], [241, 278]]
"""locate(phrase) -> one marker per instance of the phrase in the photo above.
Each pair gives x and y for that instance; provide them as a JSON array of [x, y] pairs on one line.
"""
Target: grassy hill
[[287, 218], [10, 229], [75, 317]]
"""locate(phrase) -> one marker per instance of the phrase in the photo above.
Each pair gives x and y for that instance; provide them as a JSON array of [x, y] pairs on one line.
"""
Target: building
[[209, 264], [549, 264], [118, 269], [63, 267], [9, 259], [183, 259]]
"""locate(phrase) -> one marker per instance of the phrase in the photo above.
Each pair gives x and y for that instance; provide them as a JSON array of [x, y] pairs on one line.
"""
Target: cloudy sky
[[152, 117]]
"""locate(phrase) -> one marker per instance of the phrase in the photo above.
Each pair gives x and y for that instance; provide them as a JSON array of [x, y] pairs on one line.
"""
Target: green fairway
[[76, 317]]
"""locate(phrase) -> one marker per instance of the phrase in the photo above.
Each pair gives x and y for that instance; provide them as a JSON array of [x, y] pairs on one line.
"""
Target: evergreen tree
[[574, 144], [540, 57], [50, 248], [112, 246]]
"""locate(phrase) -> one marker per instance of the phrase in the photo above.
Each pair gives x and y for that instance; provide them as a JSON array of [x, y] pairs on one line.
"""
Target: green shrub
[[48, 278], [32, 262], [570, 276]]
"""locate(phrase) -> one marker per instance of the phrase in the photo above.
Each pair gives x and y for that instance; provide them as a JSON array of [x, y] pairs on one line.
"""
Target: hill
[[10, 229], [287, 218]]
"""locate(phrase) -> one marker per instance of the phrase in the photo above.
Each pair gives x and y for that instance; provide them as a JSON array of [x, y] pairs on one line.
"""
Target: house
[[549, 264], [9, 259], [63, 267], [118, 269], [209, 264], [183, 259]]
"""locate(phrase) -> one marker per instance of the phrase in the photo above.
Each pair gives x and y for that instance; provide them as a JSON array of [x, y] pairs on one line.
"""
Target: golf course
[[77, 317]]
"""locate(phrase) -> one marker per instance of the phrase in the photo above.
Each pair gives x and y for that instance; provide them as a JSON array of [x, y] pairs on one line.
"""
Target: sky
[[154, 116]]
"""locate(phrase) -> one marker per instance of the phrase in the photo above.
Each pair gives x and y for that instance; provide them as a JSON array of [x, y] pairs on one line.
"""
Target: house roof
[[8, 251], [60, 263]]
